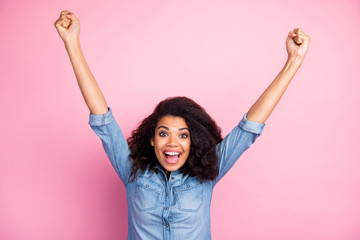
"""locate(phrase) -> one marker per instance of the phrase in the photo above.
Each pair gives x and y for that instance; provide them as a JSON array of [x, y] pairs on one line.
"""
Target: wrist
[[292, 64], [295, 60], [72, 42]]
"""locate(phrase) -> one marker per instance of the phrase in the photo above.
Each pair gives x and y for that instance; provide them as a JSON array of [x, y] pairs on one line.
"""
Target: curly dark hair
[[205, 135]]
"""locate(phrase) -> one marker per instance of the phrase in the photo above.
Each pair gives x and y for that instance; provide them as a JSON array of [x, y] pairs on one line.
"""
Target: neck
[[167, 173]]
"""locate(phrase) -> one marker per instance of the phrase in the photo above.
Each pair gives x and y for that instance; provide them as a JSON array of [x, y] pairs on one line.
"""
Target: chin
[[172, 167]]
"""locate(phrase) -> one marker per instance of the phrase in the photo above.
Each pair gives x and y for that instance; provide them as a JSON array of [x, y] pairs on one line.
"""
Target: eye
[[162, 134], [184, 135]]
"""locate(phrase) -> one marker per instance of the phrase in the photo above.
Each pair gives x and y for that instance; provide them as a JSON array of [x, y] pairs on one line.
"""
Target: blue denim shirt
[[174, 209]]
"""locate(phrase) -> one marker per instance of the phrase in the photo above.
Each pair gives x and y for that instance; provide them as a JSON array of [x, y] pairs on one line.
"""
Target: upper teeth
[[172, 153]]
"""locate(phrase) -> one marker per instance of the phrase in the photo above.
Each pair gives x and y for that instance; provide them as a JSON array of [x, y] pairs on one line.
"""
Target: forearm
[[266, 103], [89, 88]]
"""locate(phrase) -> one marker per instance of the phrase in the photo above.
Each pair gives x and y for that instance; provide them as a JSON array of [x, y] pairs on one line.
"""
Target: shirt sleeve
[[113, 141], [235, 143]]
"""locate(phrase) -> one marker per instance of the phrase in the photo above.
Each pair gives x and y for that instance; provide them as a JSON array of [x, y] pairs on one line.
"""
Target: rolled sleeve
[[101, 119], [114, 142], [236, 143], [251, 126]]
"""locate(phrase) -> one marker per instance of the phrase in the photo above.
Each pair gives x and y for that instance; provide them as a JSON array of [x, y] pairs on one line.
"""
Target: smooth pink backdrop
[[300, 180]]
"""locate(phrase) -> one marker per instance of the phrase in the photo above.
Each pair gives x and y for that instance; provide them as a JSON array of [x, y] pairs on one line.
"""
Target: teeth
[[172, 153]]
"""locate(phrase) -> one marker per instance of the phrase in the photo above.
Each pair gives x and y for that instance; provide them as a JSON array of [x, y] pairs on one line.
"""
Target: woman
[[173, 160]]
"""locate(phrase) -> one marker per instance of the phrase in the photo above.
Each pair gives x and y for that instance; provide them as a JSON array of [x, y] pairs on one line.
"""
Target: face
[[171, 142]]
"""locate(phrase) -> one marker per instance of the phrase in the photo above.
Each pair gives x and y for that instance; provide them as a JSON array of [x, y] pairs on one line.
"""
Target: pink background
[[300, 180]]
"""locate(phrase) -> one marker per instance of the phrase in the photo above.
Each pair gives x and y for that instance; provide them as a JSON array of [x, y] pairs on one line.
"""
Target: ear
[[152, 142]]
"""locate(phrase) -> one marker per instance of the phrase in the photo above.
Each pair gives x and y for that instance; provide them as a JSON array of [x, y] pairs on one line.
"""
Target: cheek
[[157, 150], [158, 143], [187, 146]]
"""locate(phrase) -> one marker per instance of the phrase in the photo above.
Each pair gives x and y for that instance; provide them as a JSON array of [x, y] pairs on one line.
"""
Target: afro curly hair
[[205, 135]]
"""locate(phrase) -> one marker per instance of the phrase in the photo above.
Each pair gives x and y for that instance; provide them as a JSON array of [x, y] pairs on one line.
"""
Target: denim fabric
[[174, 209]]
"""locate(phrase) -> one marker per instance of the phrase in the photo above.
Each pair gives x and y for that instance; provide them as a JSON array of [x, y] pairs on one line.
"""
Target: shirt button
[[166, 208], [172, 178], [167, 194], [147, 185], [167, 225], [188, 186]]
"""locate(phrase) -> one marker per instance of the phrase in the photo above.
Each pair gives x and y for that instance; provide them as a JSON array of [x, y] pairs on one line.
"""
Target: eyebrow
[[180, 129]]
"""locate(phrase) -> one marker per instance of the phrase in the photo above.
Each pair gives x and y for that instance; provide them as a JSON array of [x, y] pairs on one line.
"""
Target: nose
[[172, 141]]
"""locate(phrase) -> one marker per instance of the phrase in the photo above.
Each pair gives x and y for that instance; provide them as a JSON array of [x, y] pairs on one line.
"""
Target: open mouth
[[172, 157]]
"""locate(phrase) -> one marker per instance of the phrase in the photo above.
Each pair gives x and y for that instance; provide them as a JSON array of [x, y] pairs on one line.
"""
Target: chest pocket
[[147, 194], [189, 196]]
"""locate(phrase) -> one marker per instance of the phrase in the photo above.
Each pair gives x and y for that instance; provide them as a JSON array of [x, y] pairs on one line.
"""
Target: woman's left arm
[[297, 44]]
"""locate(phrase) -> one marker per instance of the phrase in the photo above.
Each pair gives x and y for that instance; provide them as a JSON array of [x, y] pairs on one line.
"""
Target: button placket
[[166, 213], [166, 209], [167, 200]]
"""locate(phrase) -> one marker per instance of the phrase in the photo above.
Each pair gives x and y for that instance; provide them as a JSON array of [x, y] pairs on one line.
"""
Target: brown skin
[[297, 44], [171, 135], [68, 27]]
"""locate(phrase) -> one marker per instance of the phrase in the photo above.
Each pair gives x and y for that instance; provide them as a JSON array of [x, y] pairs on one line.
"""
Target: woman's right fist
[[68, 26]]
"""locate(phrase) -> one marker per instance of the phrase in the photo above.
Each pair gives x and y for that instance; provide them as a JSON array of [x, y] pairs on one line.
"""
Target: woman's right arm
[[68, 27], [101, 119]]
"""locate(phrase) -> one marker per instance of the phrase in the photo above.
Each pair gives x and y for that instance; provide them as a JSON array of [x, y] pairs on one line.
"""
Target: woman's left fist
[[297, 44]]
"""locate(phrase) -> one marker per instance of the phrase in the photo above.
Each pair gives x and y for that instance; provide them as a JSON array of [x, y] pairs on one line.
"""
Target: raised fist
[[297, 43], [68, 26]]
